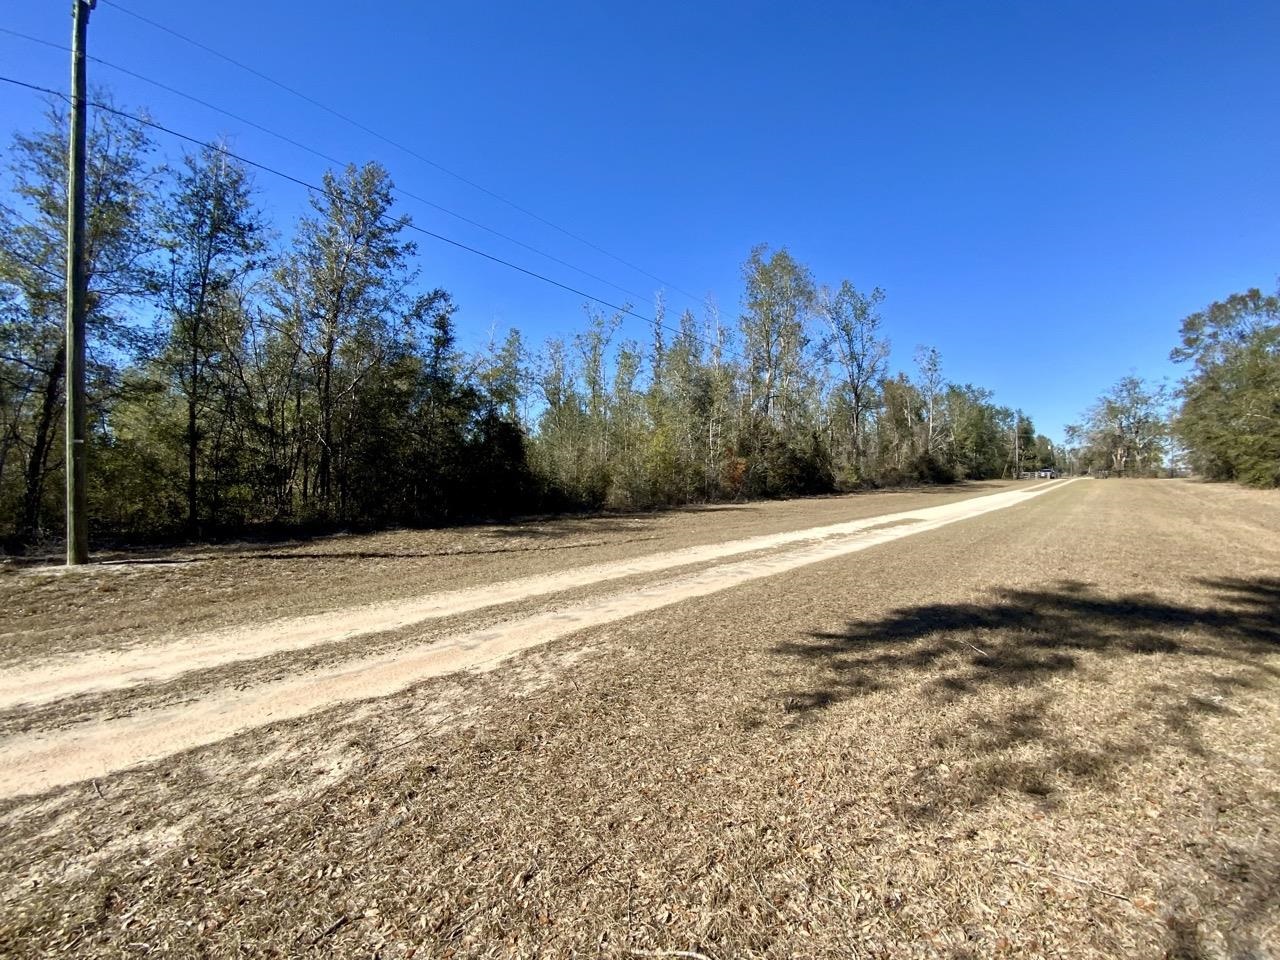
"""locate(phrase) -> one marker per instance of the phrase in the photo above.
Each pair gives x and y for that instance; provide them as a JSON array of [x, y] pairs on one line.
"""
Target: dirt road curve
[[1031, 719]]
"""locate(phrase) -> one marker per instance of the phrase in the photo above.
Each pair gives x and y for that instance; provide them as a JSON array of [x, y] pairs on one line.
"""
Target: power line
[[42, 42], [9, 211], [329, 159], [399, 146], [623, 310]]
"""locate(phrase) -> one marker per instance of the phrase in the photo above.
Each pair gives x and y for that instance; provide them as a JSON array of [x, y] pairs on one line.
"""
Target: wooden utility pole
[[77, 292]]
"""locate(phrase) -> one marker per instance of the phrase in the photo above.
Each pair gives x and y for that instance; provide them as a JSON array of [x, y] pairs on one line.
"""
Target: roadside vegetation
[[247, 374], [1222, 422], [1229, 421]]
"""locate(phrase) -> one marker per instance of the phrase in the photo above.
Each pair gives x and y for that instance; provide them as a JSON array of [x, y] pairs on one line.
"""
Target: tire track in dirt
[[155, 662], [33, 764]]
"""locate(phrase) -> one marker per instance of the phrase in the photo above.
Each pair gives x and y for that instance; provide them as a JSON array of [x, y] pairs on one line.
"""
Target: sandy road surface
[[35, 763], [70, 674], [137, 599], [1050, 729]]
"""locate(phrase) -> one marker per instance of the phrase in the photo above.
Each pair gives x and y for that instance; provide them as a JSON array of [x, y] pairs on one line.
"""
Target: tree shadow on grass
[[1025, 637], [1001, 658], [1001, 654]]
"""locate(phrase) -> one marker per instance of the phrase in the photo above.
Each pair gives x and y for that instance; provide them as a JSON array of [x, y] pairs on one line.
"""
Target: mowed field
[[992, 720]]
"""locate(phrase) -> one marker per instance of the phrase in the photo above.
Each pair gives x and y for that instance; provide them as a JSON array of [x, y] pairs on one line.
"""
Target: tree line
[[238, 381], [1221, 421]]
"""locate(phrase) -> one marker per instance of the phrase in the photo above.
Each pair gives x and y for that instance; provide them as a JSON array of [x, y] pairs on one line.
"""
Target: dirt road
[[1021, 720], [32, 764], [57, 677]]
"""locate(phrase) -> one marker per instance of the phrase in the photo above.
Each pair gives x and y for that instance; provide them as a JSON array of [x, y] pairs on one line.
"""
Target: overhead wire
[[219, 148], [14, 214], [398, 145], [329, 159]]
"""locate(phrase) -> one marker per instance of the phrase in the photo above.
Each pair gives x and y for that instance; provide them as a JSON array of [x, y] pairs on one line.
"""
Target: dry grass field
[[1052, 730]]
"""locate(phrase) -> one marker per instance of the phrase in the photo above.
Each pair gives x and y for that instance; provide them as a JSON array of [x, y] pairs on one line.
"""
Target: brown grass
[[1052, 731]]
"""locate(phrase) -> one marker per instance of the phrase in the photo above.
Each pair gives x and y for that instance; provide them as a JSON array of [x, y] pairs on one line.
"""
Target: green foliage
[[777, 303], [854, 341], [210, 234], [976, 433], [324, 385], [1230, 417], [1126, 431], [118, 238]]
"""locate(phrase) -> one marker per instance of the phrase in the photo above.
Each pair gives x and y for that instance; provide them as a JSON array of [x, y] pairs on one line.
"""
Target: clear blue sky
[[1043, 189]]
